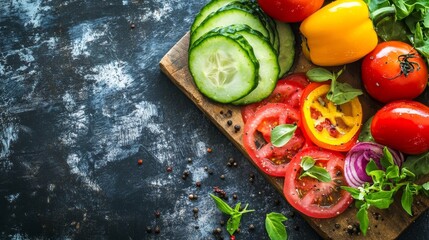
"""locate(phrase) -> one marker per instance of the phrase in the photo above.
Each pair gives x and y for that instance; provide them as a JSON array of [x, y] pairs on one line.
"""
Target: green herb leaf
[[386, 159], [274, 226], [222, 206], [392, 172], [407, 199], [353, 191], [362, 216], [370, 167], [426, 186], [319, 75], [233, 223], [307, 162], [365, 134], [418, 164], [282, 133], [342, 93], [318, 173], [381, 199]]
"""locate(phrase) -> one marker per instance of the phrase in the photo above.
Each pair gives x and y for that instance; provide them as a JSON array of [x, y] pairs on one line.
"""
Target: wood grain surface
[[386, 224]]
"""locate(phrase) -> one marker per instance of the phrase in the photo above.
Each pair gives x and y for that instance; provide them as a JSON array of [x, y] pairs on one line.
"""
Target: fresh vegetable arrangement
[[308, 127]]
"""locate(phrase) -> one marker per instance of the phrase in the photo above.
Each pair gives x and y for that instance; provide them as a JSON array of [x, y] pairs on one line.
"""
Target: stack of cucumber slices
[[237, 53]]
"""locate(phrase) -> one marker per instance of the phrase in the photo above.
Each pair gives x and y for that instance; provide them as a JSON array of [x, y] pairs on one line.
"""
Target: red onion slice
[[359, 156]]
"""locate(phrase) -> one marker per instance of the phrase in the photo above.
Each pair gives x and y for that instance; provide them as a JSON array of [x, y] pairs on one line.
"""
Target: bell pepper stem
[[381, 13]]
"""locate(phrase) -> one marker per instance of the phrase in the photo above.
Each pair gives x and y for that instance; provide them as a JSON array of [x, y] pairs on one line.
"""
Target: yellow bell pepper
[[341, 32]]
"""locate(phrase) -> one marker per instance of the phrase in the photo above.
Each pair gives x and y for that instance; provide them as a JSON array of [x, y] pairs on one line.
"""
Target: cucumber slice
[[267, 57], [287, 47], [209, 8], [228, 15], [270, 24], [224, 68]]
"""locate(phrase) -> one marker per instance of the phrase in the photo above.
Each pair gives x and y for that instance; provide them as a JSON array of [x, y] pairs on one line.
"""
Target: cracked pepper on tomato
[[330, 126]]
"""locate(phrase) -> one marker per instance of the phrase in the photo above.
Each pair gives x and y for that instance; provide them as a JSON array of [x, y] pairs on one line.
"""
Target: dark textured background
[[82, 98]]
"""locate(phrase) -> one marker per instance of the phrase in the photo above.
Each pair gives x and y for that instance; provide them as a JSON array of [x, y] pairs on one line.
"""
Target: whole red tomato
[[290, 10], [393, 71], [402, 125]]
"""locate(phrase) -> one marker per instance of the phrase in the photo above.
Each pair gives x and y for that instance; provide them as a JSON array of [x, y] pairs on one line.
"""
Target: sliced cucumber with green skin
[[271, 25], [224, 68], [267, 57], [209, 8], [229, 15], [287, 47]]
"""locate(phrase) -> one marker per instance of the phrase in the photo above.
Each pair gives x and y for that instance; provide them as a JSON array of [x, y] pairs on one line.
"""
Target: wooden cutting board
[[386, 224]]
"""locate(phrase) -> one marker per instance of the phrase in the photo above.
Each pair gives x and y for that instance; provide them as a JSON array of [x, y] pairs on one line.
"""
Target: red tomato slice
[[288, 90], [312, 197], [257, 131]]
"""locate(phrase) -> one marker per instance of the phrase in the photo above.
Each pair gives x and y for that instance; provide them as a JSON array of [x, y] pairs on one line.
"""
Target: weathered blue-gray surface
[[82, 99]]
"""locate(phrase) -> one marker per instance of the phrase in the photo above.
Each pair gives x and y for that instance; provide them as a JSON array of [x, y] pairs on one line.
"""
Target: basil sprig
[[235, 214], [274, 225], [273, 221], [311, 170], [281, 134], [387, 181], [339, 93]]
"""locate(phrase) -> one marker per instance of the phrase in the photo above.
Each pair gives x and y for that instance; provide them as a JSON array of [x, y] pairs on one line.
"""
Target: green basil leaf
[[319, 75], [365, 134], [407, 173], [418, 164], [233, 223], [392, 172], [377, 176], [341, 93], [282, 133], [221, 205], [407, 200], [274, 226], [370, 167], [386, 159], [426, 186], [381, 199], [307, 162], [237, 207], [362, 216], [318, 173], [353, 191]]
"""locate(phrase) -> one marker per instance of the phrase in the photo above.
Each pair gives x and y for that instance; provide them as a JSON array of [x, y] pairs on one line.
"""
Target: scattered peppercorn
[[277, 202], [217, 231], [193, 196], [296, 228], [157, 229], [221, 193], [148, 229], [169, 169], [140, 162], [195, 210], [189, 160], [251, 227], [198, 184], [235, 196], [222, 223], [222, 177], [133, 25], [210, 172], [337, 225], [237, 128], [229, 122], [157, 213]]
